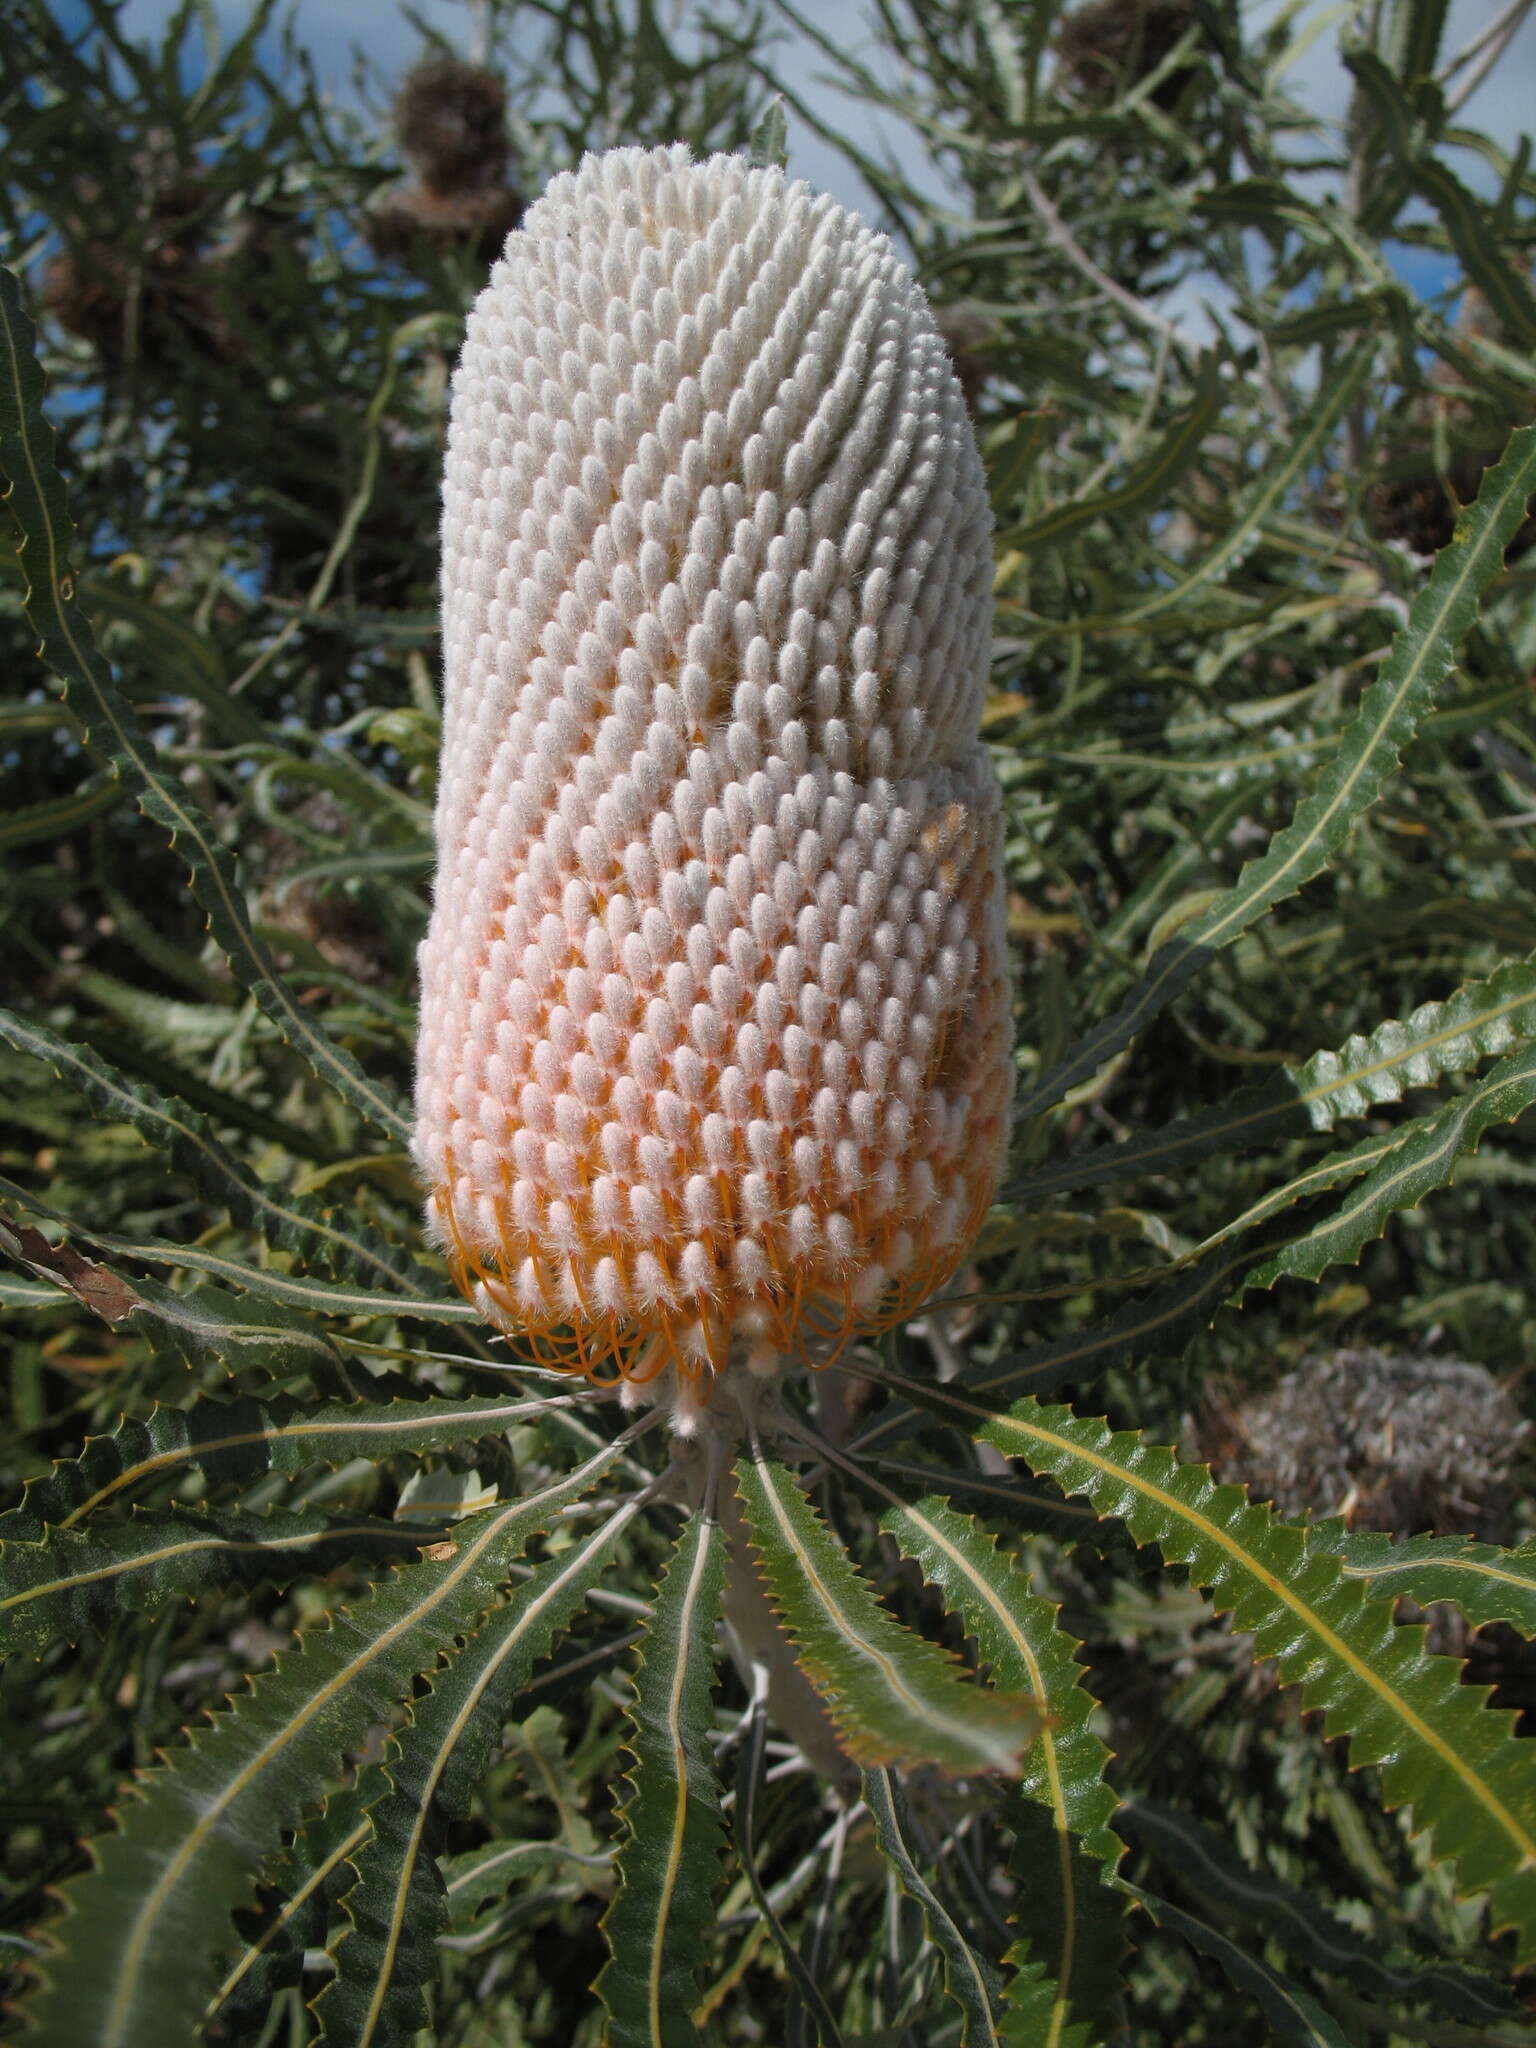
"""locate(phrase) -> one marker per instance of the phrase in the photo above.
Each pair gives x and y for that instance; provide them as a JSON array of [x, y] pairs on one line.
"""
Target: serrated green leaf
[[1441, 1751], [397, 1908], [131, 1962], [483, 1877], [1468, 221], [1479, 1020], [1484, 1582], [307, 1879], [38, 501], [75, 1580], [183, 1134], [893, 1696], [240, 1440], [669, 1864], [968, 1979], [1390, 711], [1065, 1989], [1420, 1161]]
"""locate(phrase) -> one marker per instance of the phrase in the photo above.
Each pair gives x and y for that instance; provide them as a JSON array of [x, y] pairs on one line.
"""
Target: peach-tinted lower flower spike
[[714, 1067]]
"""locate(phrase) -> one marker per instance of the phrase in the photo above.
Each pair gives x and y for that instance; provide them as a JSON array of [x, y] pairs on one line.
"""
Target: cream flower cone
[[714, 1060]]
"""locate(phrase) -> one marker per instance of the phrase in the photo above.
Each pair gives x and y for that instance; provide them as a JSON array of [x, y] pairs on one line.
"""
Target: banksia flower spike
[[714, 1063]]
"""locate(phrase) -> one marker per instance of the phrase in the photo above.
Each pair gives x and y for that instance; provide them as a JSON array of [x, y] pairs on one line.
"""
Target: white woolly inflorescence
[[714, 1060]]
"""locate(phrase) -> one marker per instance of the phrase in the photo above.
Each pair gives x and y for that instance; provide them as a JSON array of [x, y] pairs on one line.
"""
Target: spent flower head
[[714, 1062]]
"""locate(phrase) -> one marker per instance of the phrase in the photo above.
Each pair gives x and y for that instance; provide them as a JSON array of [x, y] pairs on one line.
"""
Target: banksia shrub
[[714, 1058]]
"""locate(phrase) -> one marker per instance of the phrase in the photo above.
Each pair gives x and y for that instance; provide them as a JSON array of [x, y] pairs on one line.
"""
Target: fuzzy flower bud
[[714, 1060]]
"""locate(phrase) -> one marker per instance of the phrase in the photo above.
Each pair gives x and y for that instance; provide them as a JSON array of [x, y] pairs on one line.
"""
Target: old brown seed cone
[[1106, 45], [1404, 1444], [450, 122]]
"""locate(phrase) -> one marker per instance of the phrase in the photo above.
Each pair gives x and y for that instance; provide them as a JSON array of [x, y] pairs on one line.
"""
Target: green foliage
[[892, 1697], [361, 1686], [669, 1865]]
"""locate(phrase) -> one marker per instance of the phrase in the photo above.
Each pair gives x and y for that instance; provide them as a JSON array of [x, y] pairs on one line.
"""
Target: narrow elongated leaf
[[1013, 451], [17, 716], [1250, 1252], [48, 822], [294, 1290], [38, 502], [1035, 1505], [397, 1908], [968, 1979], [178, 657], [203, 1323], [1294, 2014], [1481, 249], [1390, 712], [1065, 1989], [241, 1439], [1147, 482], [1480, 1020], [1334, 1170], [893, 1696], [170, 1022], [1486, 1583], [183, 1134], [1339, 390], [1441, 1751], [1295, 1921], [669, 1864], [76, 1580], [1160, 1324], [1468, 220], [154, 1909]]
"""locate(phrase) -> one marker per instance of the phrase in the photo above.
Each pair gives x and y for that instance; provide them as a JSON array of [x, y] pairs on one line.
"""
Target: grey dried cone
[[1402, 1444]]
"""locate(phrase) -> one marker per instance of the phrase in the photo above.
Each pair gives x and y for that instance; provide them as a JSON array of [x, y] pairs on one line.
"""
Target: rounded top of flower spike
[[714, 1046]]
